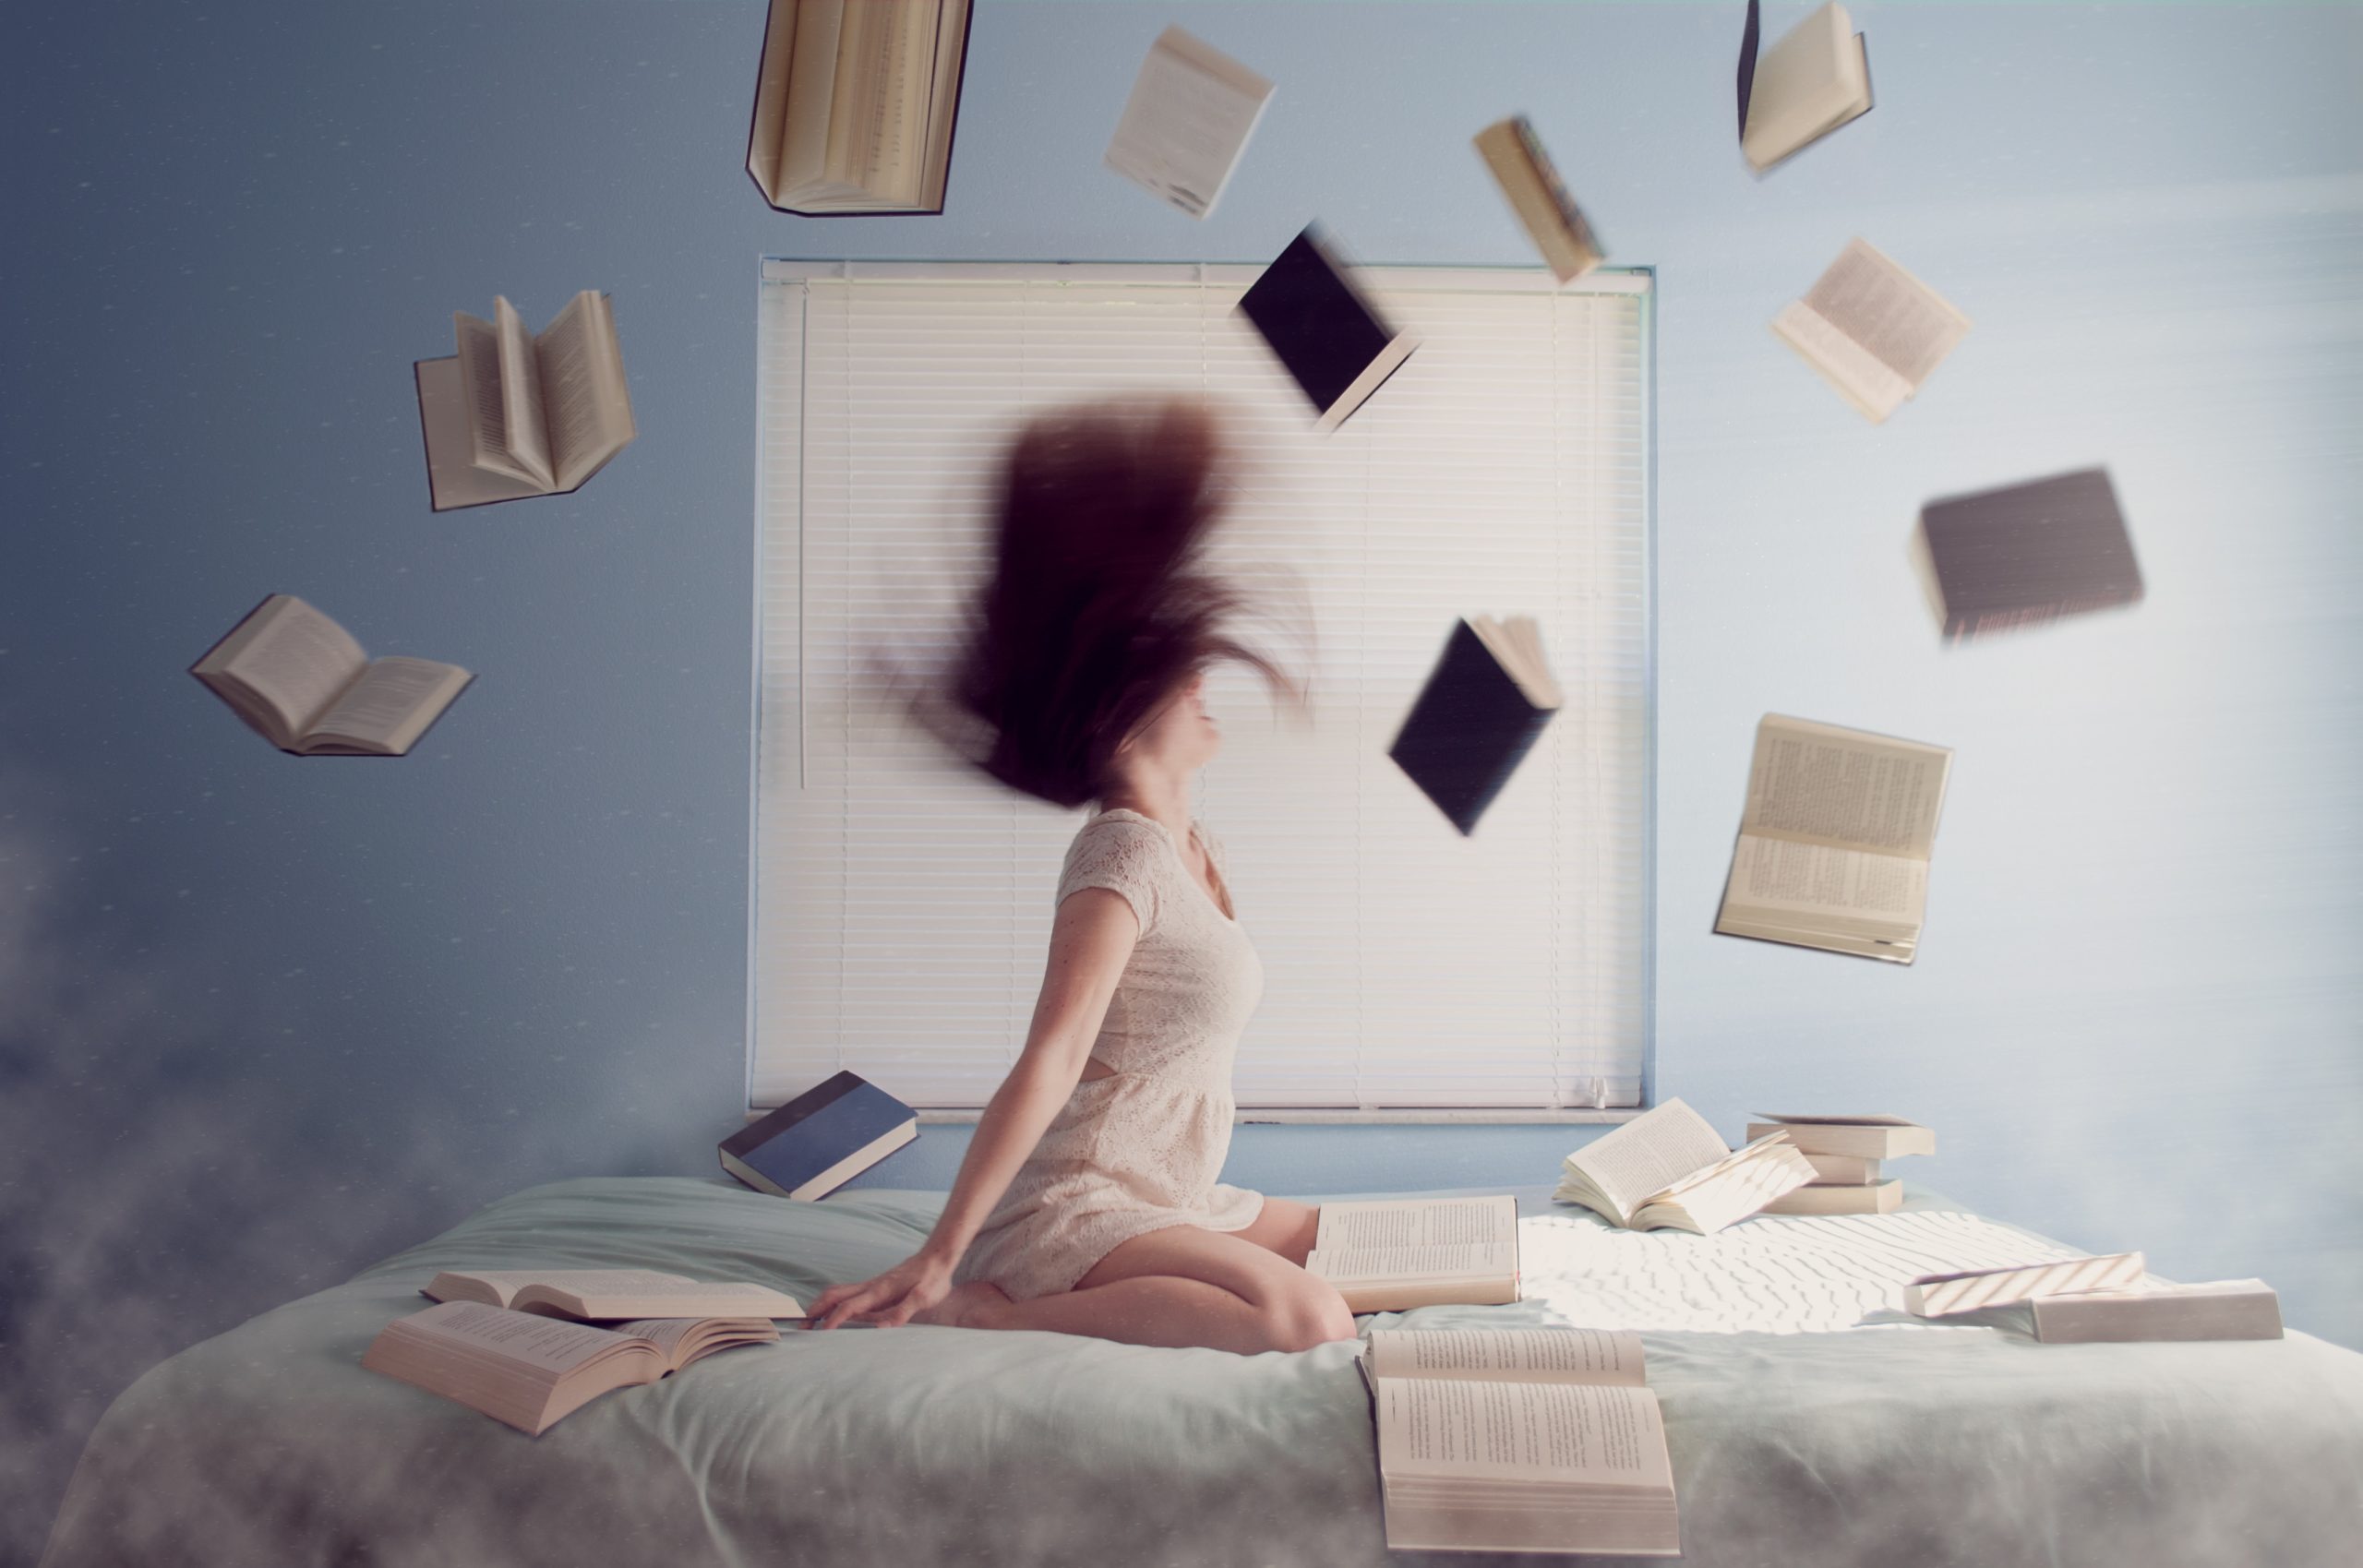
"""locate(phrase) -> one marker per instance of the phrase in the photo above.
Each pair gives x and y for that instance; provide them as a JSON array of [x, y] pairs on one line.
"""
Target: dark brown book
[[2026, 553], [1489, 697], [1327, 336]]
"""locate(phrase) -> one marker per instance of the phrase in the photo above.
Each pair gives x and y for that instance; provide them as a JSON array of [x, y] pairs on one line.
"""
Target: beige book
[[516, 413], [531, 1370], [1667, 1169], [1185, 127], [1514, 155], [1833, 849], [1874, 332], [1520, 1440], [855, 104], [1864, 1139], [611, 1293], [1935, 1294], [1829, 1170], [2223, 1309], [1389, 1255], [300, 681], [1816, 79], [1819, 1198]]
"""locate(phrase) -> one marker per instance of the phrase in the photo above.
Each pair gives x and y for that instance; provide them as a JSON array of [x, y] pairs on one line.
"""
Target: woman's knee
[[1310, 1312]]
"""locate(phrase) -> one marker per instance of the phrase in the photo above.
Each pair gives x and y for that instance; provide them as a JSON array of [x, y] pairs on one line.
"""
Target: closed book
[[1324, 334], [1484, 703], [1816, 79], [1841, 1170], [821, 1140], [1514, 155], [1817, 1198], [2223, 1309], [1933, 1295], [1864, 1137], [2026, 553]]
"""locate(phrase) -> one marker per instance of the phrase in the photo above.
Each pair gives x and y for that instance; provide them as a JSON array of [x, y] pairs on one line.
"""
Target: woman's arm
[[1091, 941]]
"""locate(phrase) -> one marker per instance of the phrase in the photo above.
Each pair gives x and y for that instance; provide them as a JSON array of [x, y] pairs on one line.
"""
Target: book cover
[[821, 1140], [1326, 335], [1472, 726], [2024, 554]]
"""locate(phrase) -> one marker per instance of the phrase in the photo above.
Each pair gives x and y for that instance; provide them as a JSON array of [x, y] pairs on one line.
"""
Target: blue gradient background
[[263, 1021]]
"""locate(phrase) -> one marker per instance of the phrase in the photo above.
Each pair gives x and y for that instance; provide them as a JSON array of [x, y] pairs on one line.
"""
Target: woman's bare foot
[[966, 1307]]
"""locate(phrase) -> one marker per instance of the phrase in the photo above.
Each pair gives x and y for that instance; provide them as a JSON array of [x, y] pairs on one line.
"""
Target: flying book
[[2223, 1309], [1486, 701], [1813, 80], [1514, 154], [1833, 850], [516, 414], [855, 104], [1937, 1295], [1520, 1440], [1866, 1139], [1667, 1169], [1840, 1198], [532, 1371], [1323, 333], [1187, 122], [1390, 1255], [821, 1140], [1872, 330], [300, 681], [2026, 553], [600, 1294]]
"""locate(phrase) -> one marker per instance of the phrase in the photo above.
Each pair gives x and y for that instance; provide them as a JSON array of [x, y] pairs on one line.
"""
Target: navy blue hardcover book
[[821, 1140], [1488, 699]]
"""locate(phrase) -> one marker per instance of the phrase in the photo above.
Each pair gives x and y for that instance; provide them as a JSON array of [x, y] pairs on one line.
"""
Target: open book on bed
[[604, 1294], [1392, 1255], [1667, 1169]]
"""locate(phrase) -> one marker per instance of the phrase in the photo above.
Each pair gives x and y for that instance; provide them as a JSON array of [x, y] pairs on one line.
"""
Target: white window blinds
[[902, 903]]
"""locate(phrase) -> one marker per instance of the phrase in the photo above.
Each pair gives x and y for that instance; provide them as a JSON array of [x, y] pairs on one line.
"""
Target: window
[[902, 903]]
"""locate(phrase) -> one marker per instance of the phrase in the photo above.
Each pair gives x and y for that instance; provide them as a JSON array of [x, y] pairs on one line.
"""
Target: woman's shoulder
[[1118, 835]]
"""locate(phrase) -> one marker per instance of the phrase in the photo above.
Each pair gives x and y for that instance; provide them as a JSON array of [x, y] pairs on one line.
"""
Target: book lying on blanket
[[1848, 1170], [2026, 553], [1874, 332], [1834, 846], [531, 1370], [1514, 155], [300, 681], [1484, 705], [1935, 1294], [1187, 122], [1324, 334], [1520, 1440], [518, 413], [855, 104], [1863, 1138], [2223, 1309], [821, 1140], [1667, 1169], [611, 1293], [1840, 1198], [1816, 79], [1390, 1255]]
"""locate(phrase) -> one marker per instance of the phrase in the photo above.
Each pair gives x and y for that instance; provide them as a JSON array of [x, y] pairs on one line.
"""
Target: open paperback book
[[1872, 330], [1520, 1440], [611, 1293], [1667, 1169], [1391, 1255], [855, 104], [1834, 846], [301, 682], [1187, 122], [531, 1371], [516, 414]]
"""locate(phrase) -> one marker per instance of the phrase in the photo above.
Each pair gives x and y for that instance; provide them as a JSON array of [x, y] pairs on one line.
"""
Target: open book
[[1514, 155], [530, 1371], [1187, 122], [1667, 1169], [1875, 332], [1833, 849], [611, 1293], [1520, 1440], [855, 104], [1389, 1255], [516, 414], [1484, 705], [302, 682], [1817, 78]]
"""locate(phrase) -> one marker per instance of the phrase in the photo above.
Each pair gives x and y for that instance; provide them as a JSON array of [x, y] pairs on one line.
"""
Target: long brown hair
[[1100, 605]]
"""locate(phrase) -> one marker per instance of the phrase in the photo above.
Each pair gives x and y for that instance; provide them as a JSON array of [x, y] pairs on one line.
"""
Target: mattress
[[1809, 1422]]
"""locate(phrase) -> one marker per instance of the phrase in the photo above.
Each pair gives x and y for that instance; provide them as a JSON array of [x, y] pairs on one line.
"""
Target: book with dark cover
[[2026, 553], [1323, 333], [1474, 722], [821, 1140]]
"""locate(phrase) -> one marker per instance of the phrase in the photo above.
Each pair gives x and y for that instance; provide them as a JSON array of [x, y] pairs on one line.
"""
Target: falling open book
[[1187, 122], [1872, 330], [855, 104], [300, 681], [516, 414], [1667, 1169]]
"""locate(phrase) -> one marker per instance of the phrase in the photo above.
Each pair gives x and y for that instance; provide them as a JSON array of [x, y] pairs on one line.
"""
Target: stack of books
[[1848, 1154]]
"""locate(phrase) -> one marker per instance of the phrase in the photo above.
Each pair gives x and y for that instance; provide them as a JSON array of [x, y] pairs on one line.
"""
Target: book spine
[[1984, 622]]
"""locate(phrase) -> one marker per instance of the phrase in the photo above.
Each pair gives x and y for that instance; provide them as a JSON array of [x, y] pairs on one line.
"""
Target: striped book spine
[[1933, 1295]]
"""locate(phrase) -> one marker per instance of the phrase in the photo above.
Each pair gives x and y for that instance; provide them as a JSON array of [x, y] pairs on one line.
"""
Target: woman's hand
[[912, 1285]]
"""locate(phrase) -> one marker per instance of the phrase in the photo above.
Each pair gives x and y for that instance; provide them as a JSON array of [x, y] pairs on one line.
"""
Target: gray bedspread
[[1807, 1425]]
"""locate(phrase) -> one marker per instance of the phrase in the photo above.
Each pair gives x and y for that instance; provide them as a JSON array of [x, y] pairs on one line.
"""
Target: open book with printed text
[[1389, 1255], [516, 414], [1668, 1169], [855, 104], [611, 1293], [300, 681]]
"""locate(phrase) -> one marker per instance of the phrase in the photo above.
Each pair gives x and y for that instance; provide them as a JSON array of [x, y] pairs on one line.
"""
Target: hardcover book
[[1514, 154], [1935, 1294], [2025, 554], [1481, 712], [300, 681], [516, 414], [1840, 1198], [1392, 1255], [1328, 338], [1186, 124], [854, 106], [1865, 1139], [821, 1140], [1667, 1169], [1816, 79], [2223, 1309]]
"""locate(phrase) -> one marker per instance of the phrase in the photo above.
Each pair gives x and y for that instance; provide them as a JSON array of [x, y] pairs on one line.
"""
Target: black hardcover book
[[2025, 554], [1488, 699], [1325, 334], [821, 1140]]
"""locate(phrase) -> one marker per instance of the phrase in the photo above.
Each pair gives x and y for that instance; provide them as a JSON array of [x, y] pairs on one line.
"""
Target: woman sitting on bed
[[1087, 1201]]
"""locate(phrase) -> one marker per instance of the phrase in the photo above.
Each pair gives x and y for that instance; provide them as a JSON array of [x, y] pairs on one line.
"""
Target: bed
[[1808, 1423]]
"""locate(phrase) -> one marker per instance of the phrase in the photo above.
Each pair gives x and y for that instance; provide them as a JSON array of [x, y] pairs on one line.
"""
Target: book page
[[1848, 789], [1811, 878], [1733, 1189], [506, 1283], [1533, 1354], [1187, 121], [1522, 1431], [298, 661], [548, 1345], [568, 353], [1890, 315], [1874, 389], [390, 705], [811, 83], [521, 392], [480, 391], [1424, 1236], [1649, 1153]]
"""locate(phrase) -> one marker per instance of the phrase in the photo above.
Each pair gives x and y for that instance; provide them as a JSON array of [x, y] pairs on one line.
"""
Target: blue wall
[[264, 1020]]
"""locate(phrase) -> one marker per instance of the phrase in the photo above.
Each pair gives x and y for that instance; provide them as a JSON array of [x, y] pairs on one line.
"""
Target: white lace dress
[[1137, 1150]]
